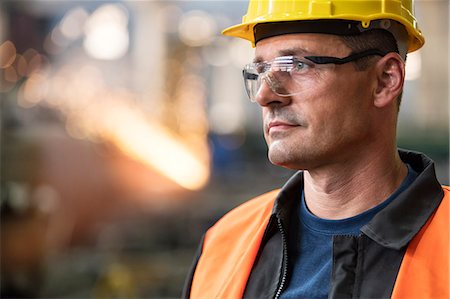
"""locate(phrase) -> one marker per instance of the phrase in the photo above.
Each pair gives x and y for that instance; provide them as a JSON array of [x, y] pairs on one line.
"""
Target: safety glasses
[[288, 75]]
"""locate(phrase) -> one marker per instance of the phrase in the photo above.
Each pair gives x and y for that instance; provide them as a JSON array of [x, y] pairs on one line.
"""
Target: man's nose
[[266, 96]]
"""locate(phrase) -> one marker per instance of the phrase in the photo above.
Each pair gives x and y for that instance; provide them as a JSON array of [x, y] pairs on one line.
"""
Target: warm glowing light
[[95, 112], [107, 33], [197, 28], [71, 25], [21, 65], [11, 75], [7, 54], [154, 146], [33, 59], [33, 91], [35, 63]]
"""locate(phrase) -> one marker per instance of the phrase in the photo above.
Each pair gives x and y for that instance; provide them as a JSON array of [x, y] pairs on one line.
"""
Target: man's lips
[[279, 126]]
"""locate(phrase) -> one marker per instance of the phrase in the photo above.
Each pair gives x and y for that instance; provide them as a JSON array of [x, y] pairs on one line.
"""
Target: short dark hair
[[372, 39]]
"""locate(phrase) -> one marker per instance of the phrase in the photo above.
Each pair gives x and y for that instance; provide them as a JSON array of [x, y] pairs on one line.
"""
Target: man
[[361, 219]]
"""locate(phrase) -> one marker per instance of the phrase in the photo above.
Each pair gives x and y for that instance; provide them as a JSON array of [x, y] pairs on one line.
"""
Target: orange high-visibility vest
[[424, 272], [231, 246]]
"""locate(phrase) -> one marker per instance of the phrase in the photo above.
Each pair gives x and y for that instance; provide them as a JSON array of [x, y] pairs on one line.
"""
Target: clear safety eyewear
[[285, 75]]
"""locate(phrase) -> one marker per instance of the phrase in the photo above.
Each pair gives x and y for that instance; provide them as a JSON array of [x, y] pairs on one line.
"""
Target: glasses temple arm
[[352, 57]]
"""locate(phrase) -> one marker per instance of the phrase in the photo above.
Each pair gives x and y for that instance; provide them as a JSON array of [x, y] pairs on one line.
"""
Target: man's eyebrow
[[293, 52], [297, 51], [258, 59]]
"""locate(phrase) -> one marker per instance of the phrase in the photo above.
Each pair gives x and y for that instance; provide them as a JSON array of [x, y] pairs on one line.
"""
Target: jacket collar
[[401, 220], [289, 197]]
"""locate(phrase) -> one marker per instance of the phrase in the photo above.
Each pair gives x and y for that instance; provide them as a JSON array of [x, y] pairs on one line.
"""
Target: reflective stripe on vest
[[231, 246]]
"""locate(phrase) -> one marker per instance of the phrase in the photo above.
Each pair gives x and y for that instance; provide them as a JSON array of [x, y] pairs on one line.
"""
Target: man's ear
[[390, 72]]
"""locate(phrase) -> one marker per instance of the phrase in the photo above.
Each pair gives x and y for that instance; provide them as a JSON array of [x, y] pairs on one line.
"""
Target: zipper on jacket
[[285, 260]]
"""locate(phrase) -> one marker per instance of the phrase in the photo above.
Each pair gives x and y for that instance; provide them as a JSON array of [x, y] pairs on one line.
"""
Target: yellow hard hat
[[364, 12]]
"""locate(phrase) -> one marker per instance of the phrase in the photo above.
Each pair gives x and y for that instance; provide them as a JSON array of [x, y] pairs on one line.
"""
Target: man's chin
[[283, 161], [289, 159]]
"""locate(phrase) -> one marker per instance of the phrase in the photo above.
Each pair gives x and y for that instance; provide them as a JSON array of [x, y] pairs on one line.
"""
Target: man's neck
[[348, 189]]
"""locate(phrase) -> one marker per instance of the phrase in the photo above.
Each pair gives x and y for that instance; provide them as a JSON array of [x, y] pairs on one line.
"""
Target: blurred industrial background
[[126, 133]]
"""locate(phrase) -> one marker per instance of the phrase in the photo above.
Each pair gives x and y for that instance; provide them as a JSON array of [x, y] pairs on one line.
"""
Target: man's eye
[[261, 68], [299, 65]]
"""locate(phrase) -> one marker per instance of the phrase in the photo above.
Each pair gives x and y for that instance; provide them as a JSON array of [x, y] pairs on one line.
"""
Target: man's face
[[329, 120]]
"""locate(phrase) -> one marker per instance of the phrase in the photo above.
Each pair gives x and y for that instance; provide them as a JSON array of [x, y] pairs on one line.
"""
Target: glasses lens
[[281, 76], [252, 81], [280, 82]]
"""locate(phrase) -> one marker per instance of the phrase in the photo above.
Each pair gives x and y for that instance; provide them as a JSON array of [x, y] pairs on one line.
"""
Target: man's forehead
[[299, 44]]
